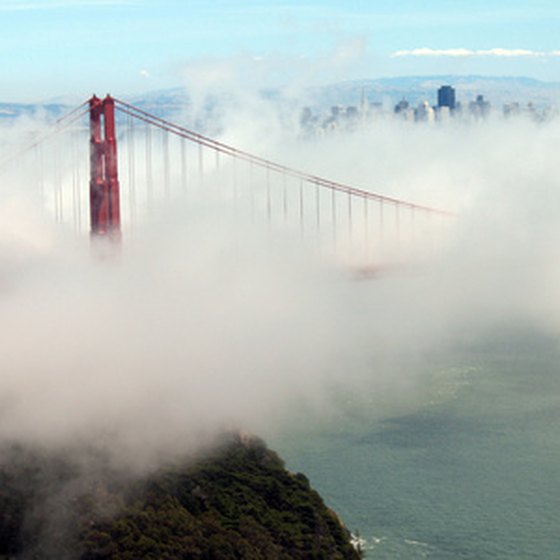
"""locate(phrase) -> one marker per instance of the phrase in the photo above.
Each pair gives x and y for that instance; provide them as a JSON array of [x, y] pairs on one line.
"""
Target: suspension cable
[[220, 147], [59, 126]]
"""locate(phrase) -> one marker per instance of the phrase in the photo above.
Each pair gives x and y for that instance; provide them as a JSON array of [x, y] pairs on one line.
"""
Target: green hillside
[[239, 503]]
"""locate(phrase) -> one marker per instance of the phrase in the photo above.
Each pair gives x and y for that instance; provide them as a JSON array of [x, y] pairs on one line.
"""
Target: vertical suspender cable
[[268, 199], [40, 172], [318, 205], [301, 218], [398, 224], [234, 185], [75, 184], [131, 171], [149, 178], [200, 165], [333, 209], [166, 185], [57, 184], [381, 228], [366, 229], [183, 164], [285, 197], [350, 222], [251, 192], [79, 180]]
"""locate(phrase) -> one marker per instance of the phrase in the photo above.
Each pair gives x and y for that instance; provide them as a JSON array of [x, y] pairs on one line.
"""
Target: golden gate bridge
[[134, 162]]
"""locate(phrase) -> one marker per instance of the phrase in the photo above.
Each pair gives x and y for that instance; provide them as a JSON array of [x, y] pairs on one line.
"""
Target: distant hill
[[498, 90], [18, 110], [388, 91]]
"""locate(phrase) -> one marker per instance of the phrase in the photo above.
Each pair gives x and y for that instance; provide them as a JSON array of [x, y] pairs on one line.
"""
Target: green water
[[472, 471]]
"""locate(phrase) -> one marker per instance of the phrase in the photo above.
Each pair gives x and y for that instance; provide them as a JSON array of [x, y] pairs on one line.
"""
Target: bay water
[[469, 470]]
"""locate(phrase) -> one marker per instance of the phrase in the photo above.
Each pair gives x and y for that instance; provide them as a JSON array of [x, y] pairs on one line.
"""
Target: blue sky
[[52, 48]]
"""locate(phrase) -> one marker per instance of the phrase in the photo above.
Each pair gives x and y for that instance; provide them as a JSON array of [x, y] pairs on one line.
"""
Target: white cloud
[[433, 52], [462, 52], [510, 53]]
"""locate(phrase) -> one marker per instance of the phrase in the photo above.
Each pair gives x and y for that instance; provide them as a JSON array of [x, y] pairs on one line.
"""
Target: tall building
[[446, 97], [402, 106], [424, 113], [479, 108]]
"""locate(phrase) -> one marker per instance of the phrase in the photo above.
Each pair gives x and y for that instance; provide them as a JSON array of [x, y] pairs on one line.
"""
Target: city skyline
[[73, 47]]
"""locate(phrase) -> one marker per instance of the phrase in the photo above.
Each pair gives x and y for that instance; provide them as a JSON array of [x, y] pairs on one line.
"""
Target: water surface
[[471, 471]]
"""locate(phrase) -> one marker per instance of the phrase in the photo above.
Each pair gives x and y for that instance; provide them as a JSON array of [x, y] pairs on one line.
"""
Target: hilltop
[[240, 502]]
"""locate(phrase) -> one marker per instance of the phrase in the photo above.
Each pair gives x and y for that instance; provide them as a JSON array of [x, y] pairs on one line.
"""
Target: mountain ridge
[[386, 90]]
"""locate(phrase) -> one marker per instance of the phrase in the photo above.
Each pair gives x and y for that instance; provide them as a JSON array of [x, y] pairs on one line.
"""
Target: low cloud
[[466, 53], [211, 317]]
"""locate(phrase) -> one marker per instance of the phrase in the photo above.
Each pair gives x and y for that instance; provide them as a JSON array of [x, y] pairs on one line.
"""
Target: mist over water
[[200, 324], [188, 330]]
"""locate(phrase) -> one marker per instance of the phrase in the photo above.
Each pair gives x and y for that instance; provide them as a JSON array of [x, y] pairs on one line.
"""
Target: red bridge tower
[[104, 181]]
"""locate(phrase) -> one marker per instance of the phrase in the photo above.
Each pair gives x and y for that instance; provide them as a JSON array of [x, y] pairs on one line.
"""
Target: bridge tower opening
[[104, 182]]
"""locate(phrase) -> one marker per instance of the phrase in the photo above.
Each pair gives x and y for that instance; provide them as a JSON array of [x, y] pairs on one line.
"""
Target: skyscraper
[[446, 97]]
